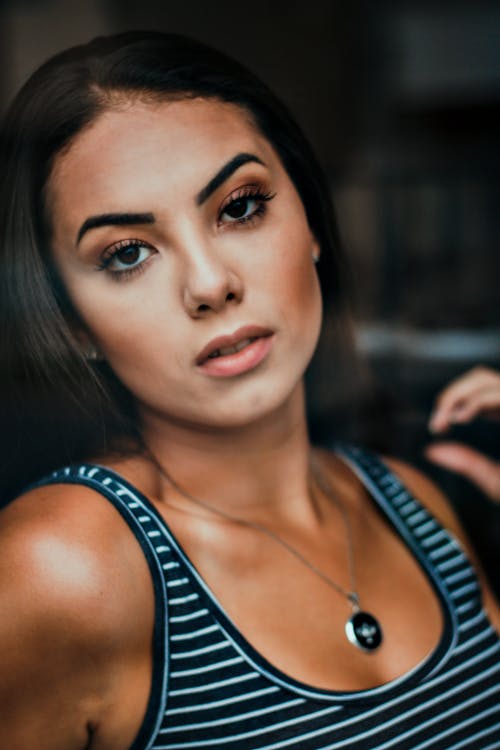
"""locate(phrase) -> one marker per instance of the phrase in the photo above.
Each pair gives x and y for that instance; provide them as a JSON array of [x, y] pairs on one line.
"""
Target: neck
[[259, 471]]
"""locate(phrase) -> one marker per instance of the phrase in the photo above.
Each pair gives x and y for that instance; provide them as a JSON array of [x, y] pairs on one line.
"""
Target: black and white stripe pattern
[[213, 690]]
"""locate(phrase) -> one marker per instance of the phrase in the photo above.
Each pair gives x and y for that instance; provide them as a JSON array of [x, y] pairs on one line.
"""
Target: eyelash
[[112, 252], [250, 192]]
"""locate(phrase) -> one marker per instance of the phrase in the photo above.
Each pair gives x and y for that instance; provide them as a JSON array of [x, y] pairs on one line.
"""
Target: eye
[[241, 208], [244, 206], [125, 257]]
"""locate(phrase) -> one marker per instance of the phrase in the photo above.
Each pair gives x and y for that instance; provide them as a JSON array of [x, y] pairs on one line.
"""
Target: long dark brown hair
[[58, 407]]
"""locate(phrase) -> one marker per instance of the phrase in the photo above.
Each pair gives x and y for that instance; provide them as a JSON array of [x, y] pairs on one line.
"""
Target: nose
[[210, 283]]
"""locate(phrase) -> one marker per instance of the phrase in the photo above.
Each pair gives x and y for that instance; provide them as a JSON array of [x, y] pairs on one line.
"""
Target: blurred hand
[[473, 394]]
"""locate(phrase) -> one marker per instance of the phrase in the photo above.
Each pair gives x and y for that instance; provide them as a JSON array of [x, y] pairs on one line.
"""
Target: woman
[[165, 225]]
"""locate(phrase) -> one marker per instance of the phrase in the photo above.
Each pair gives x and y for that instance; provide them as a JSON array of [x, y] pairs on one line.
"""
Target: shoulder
[[433, 499], [69, 543], [51, 523], [428, 494]]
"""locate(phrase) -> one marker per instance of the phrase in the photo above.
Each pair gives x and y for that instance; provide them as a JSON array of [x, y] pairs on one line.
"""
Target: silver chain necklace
[[362, 629]]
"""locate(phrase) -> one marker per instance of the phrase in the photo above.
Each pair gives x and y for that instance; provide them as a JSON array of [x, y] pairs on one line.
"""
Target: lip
[[238, 362]]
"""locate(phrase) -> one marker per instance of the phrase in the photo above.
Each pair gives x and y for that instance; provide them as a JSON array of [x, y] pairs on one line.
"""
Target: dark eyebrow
[[223, 174], [103, 220], [119, 220]]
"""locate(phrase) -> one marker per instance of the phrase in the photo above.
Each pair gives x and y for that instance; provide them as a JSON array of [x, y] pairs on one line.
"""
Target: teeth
[[233, 349], [225, 351], [244, 343]]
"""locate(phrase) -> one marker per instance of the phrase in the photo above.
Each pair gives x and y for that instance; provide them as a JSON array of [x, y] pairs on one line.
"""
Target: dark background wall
[[402, 102]]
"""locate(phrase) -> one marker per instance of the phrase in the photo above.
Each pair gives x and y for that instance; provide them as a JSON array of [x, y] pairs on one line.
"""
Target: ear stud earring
[[91, 354]]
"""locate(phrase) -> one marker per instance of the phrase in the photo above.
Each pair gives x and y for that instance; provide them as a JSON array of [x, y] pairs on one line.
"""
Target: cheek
[[299, 283], [128, 325], [295, 281], [304, 308]]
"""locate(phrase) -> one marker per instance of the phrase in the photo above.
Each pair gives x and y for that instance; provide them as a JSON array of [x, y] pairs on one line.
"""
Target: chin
[[254, 404]]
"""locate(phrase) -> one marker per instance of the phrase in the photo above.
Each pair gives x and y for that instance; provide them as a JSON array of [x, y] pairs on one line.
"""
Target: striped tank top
[[212, 690]]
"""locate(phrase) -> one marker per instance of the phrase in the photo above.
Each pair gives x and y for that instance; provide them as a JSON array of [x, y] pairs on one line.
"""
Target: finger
[[452, 404], [454, 394], [485, 400], [483, 471]]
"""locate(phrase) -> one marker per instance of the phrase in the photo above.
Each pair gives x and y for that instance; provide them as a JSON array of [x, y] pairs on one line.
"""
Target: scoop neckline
[[425, 667]]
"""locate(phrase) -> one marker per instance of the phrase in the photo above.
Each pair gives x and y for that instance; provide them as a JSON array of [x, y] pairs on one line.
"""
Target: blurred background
[[402, 103]]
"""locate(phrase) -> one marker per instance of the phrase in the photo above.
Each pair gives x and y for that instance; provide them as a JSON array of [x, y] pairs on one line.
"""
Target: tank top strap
[[436, 548], [140, 518]]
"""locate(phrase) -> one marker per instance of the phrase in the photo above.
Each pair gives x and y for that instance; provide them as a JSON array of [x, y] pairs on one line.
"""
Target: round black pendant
[[364, 631]]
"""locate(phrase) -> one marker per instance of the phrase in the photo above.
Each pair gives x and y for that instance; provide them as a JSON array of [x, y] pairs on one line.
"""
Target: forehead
[[181, 141]]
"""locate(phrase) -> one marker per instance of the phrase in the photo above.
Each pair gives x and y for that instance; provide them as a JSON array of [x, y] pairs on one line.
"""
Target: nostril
[[214, 301]]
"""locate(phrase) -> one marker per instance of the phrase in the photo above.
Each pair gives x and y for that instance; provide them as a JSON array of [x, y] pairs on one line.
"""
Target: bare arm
[[68, 645], [46, 687]]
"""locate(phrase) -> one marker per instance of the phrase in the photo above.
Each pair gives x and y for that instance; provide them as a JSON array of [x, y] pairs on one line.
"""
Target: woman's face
[[175, 224]]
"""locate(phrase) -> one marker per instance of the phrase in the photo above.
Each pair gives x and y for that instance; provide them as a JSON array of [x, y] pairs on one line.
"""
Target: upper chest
[[285, 610]]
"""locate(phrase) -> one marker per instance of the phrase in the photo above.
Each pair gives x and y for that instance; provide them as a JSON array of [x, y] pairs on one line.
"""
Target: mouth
[[227, 350], [236, 353]]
